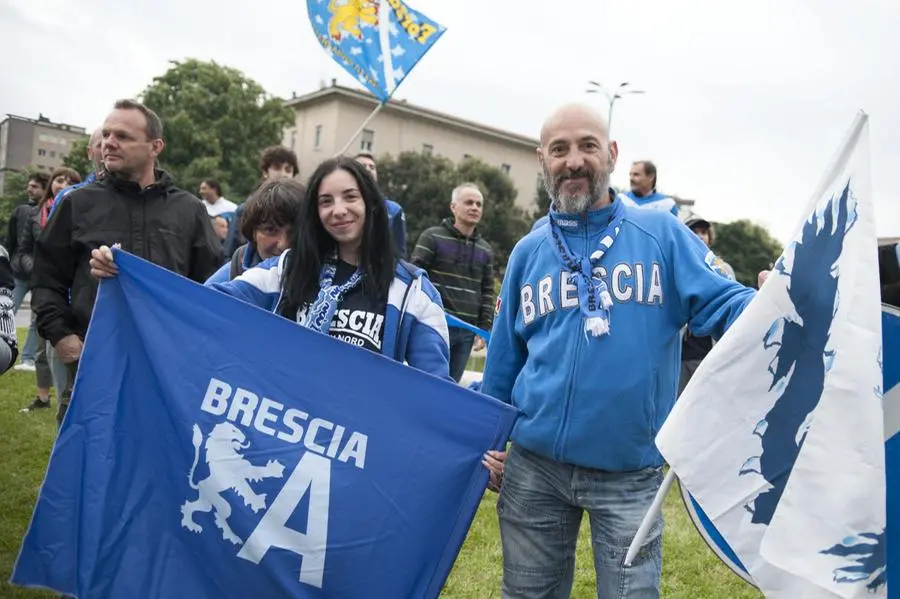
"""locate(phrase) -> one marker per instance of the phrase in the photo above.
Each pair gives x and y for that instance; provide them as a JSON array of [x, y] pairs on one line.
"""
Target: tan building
[[37, 142], [326, 119]]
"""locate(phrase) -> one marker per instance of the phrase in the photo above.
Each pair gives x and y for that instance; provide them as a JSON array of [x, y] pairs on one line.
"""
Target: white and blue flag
[[780, 434]]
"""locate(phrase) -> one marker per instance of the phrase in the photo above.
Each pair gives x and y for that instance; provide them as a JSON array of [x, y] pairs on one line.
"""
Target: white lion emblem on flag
[[228, 469]]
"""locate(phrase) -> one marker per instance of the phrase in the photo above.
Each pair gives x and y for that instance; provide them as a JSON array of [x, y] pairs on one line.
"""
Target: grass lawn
[[690, 570]]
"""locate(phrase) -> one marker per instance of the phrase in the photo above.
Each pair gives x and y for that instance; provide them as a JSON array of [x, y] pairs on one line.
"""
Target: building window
[[505, 168], [368, 140], [427, 149], [466, 156], [318, 141], [42, 152], [52, 154]]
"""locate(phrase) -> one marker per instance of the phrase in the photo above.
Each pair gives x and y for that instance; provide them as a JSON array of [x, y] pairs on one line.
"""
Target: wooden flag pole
[[361, 127]]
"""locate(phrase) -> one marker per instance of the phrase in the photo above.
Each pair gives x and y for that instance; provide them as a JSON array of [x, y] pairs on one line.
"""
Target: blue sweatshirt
[[415, 327], [654, 201], [397, 220], [598, 402]]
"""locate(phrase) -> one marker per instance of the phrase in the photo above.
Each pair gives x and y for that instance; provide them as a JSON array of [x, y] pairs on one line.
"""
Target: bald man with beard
[[586, 343]]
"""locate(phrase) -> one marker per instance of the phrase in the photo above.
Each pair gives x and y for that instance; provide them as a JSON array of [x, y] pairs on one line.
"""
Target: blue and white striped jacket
[[415, 326]]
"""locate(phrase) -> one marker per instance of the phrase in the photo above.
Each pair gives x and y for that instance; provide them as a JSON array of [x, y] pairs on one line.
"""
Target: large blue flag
[[213, 449], [378, 42]]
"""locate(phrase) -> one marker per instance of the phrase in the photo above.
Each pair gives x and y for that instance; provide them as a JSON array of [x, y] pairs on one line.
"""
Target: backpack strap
[[236, 260]]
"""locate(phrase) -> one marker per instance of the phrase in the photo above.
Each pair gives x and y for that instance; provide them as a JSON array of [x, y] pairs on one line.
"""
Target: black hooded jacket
[[160, 223]]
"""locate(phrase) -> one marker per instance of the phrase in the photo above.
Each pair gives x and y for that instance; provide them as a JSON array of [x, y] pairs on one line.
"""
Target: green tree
[[747, 247], [14, 185], [423, 186], [542, 199], [216, 122], [77, 158]]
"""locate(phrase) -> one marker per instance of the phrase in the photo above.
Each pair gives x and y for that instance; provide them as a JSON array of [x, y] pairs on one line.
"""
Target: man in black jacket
[[137, 206], [19, 222]]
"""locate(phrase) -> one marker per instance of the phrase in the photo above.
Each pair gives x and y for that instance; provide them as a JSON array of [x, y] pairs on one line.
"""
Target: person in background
[[62, 178], [59, 180], [395, 210], [268, 222], [889, 273], [460, 263], [135, 205], [94, 153], [216, 205], [694, 348], [9, 347], [274, 162], [643, 192], [586, 343], [20, 222], [220, 226]]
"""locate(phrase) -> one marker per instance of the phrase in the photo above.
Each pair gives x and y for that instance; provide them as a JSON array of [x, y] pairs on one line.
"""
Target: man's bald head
[[577, 158], [574, 114]]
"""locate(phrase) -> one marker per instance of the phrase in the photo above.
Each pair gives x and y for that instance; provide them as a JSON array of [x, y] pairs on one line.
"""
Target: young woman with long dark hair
[[341, 275]]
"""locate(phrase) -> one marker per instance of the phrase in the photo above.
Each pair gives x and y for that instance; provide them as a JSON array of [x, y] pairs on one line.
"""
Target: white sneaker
[[25, 365]]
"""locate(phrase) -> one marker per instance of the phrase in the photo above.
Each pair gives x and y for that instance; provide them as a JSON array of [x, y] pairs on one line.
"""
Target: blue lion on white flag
[[779, 435]]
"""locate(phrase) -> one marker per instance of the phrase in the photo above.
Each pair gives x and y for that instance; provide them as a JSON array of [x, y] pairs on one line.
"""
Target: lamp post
[[621, 91]]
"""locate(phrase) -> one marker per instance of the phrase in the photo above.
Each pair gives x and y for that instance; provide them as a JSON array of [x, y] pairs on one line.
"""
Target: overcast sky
[[744, 104]]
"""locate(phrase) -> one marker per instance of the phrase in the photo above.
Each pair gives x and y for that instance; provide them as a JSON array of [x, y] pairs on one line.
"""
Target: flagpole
[[361, 127], [650, 518]]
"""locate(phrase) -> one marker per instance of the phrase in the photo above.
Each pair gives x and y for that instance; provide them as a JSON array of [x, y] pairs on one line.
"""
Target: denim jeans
[[31, 341], [540, 508], [461, 342]]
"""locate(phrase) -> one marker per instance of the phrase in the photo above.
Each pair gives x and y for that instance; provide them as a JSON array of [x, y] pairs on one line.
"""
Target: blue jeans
[[461, 342], [540, 509], [31, 341]]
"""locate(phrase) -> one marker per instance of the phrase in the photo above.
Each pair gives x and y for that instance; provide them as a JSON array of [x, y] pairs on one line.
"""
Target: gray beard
[[575, 204]]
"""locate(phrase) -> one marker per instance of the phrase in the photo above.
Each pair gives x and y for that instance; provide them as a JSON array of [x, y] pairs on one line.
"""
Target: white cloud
[[744, 106]]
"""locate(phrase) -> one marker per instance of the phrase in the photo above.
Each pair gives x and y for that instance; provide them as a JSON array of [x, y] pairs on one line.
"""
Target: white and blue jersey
[[598, 402], [414, 326]]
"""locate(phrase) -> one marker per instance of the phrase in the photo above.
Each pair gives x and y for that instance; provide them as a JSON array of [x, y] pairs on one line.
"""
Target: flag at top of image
[[378, 42], [780, 434]]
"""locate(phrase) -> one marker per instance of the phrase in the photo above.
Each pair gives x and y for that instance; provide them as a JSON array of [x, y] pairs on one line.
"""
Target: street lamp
[[618, 93]]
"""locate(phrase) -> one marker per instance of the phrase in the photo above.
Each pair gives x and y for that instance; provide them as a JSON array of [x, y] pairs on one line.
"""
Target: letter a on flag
[[780, 434], [213, 449], [377, 41]]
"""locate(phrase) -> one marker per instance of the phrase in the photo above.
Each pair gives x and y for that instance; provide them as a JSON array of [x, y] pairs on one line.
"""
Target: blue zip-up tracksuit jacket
[[598, 402], [415, 326]]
